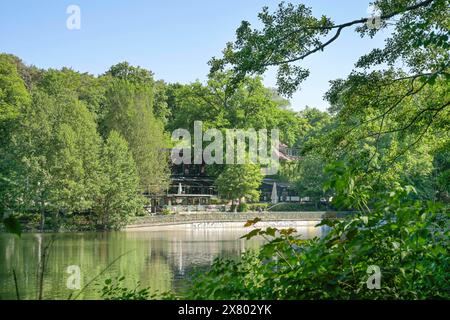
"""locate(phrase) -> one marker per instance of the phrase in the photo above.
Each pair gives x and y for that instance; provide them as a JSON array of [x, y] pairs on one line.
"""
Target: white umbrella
[[180, 189], [274, 193]]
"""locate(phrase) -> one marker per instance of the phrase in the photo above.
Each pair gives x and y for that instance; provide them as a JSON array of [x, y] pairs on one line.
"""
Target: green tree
[[312, 124], [13, 99], [132, 74], [86, 87], [291, 34], [386, 132], [160, 101], [240, 181], [118, 197], [394, 108], [128, 110], [310, 177], [13, 93], [442, 173], [58, 149], [251, 105]]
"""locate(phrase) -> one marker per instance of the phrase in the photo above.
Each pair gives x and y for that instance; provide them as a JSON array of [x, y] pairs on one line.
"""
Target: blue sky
[[173, 38]]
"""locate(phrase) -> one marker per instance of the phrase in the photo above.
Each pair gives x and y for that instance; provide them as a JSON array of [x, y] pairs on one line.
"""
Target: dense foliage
[[77, 148], [118, 197], [385, 129], [405, 238], [240, 182], [113, 289]]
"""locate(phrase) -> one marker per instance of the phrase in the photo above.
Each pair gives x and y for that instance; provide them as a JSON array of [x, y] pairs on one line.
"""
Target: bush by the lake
[[408, 240], [114, 289]]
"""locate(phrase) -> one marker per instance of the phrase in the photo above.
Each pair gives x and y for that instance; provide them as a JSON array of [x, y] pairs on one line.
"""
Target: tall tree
[[419, 42], [160, 101], [393, 103], [86, 87], [128, 110], [13, 93], [251, 105], [58, 148], [13, 99], [118, 197]]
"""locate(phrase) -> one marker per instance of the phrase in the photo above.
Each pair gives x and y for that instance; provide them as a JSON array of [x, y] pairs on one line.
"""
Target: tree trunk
[[106, 225], [56, 221], [42, 219]]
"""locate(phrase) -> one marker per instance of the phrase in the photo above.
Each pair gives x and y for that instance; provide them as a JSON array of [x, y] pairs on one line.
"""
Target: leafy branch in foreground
[[113, 289], [407, 239], [292, 33]]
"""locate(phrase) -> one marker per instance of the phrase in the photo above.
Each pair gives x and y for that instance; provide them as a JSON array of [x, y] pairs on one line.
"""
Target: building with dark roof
[[192, 189]]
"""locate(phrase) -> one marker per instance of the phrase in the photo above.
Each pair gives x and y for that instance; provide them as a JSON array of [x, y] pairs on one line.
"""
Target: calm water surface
[[160, 258]]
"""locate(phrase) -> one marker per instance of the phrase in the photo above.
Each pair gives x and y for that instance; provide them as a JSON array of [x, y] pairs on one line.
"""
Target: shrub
[[78, 222], [113, 289], [298, 207], [258, 206], [242, 207], [31, 221], [218, 201], [407, 239], [166, 212]]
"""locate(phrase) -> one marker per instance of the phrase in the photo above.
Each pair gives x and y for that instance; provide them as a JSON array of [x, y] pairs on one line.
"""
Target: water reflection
[[160, 257]]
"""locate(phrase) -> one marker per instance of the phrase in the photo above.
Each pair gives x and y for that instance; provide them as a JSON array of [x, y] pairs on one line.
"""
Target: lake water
[[161, 258]]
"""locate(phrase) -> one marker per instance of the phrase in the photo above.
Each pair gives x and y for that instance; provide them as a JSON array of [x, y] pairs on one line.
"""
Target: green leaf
[[365, 219], [351, 233], [327, 222], [252, 222], [251, 234], [270, 231], [288, 231]]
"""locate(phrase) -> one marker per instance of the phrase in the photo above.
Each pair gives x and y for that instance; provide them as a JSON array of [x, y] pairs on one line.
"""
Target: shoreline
[[211, 225], [216, 220], [203, 220]]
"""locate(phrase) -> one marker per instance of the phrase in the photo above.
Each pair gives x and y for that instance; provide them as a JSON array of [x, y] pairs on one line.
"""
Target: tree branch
[[339, 28]]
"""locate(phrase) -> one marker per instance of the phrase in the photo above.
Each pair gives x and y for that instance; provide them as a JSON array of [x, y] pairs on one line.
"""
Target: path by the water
[[283, 219]]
